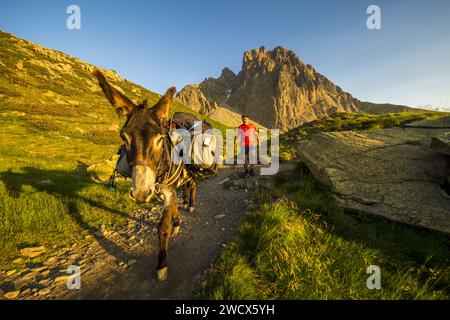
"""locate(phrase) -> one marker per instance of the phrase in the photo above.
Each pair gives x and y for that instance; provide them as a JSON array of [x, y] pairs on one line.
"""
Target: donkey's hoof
[[191, 209], [161, 274], [176, 230]]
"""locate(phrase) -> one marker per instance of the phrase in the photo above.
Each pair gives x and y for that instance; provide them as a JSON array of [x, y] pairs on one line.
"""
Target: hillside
[[47, 83], [384, 108]]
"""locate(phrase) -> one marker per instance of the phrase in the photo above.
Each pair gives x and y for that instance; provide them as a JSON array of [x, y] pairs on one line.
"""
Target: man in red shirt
[[248, 141]]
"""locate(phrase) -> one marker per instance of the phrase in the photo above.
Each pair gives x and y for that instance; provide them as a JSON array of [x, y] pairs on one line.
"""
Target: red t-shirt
[[247, 135]]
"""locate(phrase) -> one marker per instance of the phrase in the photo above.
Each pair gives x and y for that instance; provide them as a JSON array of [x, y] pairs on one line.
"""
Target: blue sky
[[163, 43]]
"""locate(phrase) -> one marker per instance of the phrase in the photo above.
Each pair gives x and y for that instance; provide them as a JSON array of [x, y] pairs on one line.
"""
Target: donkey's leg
[[193, 195], [165, 230], [176, 221], [186, 191]]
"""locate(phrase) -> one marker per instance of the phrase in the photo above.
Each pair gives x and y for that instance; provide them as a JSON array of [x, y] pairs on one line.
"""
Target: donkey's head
[[144, 135]]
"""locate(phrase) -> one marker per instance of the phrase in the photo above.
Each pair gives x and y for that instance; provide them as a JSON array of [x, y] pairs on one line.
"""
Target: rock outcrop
[[274, 87], [280, 91], [277, 90], [193, 97], [389, 172], [210, 98], [441, 143]]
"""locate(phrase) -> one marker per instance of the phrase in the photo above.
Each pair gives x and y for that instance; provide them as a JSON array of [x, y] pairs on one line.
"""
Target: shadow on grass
[[66, 185]]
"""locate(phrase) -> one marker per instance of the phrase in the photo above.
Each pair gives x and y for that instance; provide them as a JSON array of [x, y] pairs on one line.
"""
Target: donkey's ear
[[119, 101], [161, 109]]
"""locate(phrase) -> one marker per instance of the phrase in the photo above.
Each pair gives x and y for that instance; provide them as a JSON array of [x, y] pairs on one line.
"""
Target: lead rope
[[171, 175], [112, 181]]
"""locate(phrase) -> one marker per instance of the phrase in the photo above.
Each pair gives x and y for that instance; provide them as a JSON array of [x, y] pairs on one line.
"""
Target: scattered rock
[[441, 143], [131, 262], [28, 277], [45, 273], [46, 182], [73, 256], [37, 270], [220, 216], [12, 294], [51, 260], [224, 180], [26, 292], [61, 279], [44, 292], [45, 282], [33, 252], [11, 272], [98, 234]]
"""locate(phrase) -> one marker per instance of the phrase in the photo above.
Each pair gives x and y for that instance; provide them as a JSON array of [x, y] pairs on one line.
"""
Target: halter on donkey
[[148, 149]]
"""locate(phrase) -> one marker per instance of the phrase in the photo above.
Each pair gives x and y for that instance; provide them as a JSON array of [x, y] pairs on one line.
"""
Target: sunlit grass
[[305, 247]]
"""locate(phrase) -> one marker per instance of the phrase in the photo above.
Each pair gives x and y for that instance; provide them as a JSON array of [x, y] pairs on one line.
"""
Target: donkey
[[149, 157]]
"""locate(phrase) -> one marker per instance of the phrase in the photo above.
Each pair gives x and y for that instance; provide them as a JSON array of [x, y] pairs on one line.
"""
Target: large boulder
[[441, 143], [392, 172]]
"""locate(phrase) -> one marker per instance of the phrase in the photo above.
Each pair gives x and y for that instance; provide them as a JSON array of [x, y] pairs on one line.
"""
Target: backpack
[[187, 121], [202, 148]]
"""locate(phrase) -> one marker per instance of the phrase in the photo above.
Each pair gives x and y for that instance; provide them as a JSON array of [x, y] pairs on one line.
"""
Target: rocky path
[[120, 264]]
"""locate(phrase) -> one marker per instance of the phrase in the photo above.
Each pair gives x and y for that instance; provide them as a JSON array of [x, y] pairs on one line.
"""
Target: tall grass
[[304, 247]]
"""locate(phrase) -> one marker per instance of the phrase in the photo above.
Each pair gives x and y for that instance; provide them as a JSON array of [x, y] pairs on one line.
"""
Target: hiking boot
[[244, 174]]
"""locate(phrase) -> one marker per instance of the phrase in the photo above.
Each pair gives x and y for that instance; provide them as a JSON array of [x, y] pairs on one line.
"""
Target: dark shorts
[[248, 149], [249, 153]]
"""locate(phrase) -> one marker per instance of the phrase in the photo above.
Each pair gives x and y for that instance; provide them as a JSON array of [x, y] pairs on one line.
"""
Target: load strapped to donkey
[[192, 143]]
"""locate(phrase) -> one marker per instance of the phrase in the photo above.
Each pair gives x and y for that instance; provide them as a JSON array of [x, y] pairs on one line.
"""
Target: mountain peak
[[275, 88], [228, 77]]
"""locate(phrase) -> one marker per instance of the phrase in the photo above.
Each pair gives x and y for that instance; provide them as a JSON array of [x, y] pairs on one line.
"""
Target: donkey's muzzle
[[143, 183]]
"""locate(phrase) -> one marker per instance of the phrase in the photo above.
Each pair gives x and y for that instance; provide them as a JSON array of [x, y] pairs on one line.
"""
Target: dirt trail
[[121, 264]]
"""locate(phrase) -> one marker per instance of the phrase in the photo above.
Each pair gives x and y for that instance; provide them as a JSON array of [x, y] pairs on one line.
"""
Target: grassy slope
[[308, 248], [349, 121], [55, 124], [384, 108]]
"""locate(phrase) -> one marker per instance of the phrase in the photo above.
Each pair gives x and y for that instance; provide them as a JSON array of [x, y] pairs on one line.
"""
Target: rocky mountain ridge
[[276, 89]]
